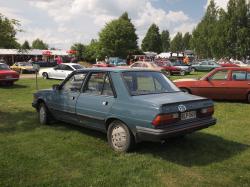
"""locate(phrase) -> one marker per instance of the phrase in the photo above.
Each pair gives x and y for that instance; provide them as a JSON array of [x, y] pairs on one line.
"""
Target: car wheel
[[120, 137], [45, 75], [43, 113], [192, 70], [185, 90], [248, 97], [182, 73]]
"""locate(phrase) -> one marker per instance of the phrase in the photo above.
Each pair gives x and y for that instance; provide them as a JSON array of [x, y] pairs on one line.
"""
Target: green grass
[[65, 155]]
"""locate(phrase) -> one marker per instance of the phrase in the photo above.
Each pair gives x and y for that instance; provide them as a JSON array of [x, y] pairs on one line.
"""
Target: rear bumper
[[149, 134]]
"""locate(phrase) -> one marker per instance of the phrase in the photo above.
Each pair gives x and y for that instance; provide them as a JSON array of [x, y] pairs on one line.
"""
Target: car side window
[[239, 75], [203, 63], [248, 76], [99, 84], [136, 65], [220, 75], [67, 68], [74, 83]]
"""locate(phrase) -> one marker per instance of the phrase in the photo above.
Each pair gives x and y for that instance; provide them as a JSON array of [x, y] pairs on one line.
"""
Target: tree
[[165, 39], [79, 48], [176, 44], [25, 45], [186, 41], [204, 32], [118, 38], [8, 30], [39, 44], [152, 40]]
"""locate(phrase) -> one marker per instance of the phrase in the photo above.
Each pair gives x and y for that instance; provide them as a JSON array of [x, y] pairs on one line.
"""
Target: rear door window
[[238, 75]]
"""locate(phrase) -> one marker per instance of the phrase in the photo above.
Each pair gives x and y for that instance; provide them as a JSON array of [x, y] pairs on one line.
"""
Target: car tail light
[[165, 119], [206, 111]]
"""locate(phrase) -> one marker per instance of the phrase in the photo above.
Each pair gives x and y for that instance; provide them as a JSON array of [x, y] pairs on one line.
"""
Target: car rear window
[[143, 82]]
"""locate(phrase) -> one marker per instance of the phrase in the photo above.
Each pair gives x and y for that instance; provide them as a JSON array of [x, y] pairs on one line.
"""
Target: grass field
[[64, 155]]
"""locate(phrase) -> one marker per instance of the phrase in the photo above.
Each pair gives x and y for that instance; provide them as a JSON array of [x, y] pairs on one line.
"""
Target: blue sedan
[[129, 105]]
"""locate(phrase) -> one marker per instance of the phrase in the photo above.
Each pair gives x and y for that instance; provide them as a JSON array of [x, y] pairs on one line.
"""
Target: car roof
[[115, 69], [233, 68]]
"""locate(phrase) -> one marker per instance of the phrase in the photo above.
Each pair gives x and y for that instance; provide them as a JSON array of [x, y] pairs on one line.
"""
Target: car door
[[218, 84], [202, 66], [55, 72], [95, 101], [239, 84], [64, 99], [66, 71]]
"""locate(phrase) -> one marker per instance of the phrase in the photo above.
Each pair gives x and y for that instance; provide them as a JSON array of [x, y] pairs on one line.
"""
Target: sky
[[60, 23]]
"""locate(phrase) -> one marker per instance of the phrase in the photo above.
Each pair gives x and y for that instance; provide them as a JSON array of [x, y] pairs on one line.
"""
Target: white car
[[60, 71], [240, 63]]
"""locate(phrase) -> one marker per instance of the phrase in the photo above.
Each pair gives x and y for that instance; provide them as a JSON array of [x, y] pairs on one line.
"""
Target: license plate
[[188, 115]]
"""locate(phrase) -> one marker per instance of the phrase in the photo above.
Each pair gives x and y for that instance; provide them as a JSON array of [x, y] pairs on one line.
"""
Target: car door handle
[[72, 98], [105, 103]]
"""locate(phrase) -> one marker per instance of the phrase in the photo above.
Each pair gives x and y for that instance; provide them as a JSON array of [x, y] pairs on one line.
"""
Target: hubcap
[[45, 76], [119, 137], [42, 115]]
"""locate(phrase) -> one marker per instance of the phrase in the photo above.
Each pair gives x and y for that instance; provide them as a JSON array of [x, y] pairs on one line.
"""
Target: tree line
[[220, 33]]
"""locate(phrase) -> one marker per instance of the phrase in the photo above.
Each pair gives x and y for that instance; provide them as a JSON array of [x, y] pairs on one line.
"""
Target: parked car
[[103, 65], [45, 63], [7, 76], [184, 67], [23, 67], [231, 83], [206, 65], [150, 66], [130, 105], [60, 71], [240, 63], [168, 66]]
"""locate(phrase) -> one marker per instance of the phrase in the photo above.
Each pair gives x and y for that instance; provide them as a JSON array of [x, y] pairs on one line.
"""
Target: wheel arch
[[188, 89], [109, 120]]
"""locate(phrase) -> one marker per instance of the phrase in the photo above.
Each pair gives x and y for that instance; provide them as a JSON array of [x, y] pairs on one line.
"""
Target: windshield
[[4, 67], [77, 66], [144, 82]]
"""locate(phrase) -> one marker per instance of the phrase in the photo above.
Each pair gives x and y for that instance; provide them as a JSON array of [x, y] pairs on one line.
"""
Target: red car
[[170, 68], [230, 83], [7, 76]]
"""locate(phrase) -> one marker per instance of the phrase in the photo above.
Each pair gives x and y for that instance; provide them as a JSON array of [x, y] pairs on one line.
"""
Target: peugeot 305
[[128, 105]]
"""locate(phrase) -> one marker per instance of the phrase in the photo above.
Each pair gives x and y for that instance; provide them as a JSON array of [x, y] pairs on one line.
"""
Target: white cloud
[[14, 14], [81, 20]]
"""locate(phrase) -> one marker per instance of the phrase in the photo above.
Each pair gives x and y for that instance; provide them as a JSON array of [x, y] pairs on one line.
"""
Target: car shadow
[[14, 86], [83, 130], [197, 149]]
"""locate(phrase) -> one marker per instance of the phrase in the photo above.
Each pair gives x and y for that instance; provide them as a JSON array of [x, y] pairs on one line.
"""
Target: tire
[[192, 70], [120, 137], [43, 114], [185, 90], [182, 73], [45, 75], [248, 97]]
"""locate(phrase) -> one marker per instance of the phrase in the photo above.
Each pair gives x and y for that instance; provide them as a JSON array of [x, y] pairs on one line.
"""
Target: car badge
[[182, 108]]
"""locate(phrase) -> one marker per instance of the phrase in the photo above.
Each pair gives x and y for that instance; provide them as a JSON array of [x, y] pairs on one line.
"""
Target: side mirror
[[55, 87]]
